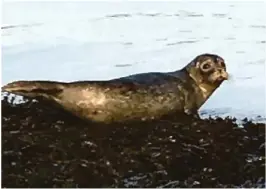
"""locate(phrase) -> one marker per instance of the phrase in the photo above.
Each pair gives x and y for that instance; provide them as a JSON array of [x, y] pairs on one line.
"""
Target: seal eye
[[205, 67]]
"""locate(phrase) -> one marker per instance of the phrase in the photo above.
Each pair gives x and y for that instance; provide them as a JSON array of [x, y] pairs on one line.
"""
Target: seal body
[[139, 97], [144, 96]]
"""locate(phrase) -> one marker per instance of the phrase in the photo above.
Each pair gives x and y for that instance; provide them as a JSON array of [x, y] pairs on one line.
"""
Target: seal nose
[[224, 75]]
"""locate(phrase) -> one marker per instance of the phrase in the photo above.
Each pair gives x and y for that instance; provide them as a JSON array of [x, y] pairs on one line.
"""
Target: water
[[103, 40]]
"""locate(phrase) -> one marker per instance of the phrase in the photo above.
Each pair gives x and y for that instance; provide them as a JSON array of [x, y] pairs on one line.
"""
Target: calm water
[[87, 41]]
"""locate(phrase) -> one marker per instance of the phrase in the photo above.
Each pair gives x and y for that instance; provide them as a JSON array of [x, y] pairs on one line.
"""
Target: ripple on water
[[185, 31], [261, 42], [161, 39], [240, 52], [261, 61], [127, 43], [118, 15], [20, 26], [195, 15], [258, 26], [123, 65], [150, 14], [182, 42], [219, 15]]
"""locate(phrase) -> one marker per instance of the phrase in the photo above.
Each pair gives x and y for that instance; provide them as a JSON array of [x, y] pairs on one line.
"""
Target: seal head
[[208, 71]]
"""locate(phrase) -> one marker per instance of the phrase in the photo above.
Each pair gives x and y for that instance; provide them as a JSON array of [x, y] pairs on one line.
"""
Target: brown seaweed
[[43, 146]]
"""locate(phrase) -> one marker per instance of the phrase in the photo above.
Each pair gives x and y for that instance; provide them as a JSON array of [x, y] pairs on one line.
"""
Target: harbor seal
[[144, 96]]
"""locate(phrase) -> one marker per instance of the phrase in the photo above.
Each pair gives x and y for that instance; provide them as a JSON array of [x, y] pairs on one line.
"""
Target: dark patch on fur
[[47, 91]]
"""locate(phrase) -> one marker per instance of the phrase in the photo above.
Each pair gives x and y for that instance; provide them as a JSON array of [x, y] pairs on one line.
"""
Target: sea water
[[69, 41]]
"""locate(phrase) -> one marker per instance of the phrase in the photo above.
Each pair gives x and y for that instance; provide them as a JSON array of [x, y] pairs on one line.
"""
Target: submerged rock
[[43, 146]]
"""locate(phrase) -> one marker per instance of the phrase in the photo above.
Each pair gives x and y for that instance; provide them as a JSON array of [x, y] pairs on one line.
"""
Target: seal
[[144, 96]]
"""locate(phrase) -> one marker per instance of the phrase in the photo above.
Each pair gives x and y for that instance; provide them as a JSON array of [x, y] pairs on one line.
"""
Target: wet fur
[[144, 96]]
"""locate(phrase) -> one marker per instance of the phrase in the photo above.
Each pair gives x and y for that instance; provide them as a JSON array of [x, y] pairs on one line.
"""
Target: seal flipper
[[34, 89], [193, 113]]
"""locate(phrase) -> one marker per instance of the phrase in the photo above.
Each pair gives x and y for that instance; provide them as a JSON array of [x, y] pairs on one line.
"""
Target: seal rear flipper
[[34, 89]]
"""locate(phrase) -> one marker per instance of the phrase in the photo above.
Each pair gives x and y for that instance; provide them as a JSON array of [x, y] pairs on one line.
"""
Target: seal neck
[[204, 88]]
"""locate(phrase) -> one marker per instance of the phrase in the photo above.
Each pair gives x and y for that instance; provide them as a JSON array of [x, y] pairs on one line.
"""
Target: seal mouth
[[219, 76], [223, 75]]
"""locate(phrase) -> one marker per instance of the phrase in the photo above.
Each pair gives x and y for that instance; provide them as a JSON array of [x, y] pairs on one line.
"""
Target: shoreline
[[204, 113]]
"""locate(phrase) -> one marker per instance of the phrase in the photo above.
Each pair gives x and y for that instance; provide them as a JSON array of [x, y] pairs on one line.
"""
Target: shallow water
[[89, 40]]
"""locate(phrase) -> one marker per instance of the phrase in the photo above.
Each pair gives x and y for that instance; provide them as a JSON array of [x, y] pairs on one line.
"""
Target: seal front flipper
[[196, 115], [193, 113], [32, 89]]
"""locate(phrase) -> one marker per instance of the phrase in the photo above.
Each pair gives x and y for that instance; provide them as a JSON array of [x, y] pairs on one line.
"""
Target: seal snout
[[223, 75]]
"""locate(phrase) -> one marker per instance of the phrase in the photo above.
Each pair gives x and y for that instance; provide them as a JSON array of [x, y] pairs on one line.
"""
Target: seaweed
[[44, 146]]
